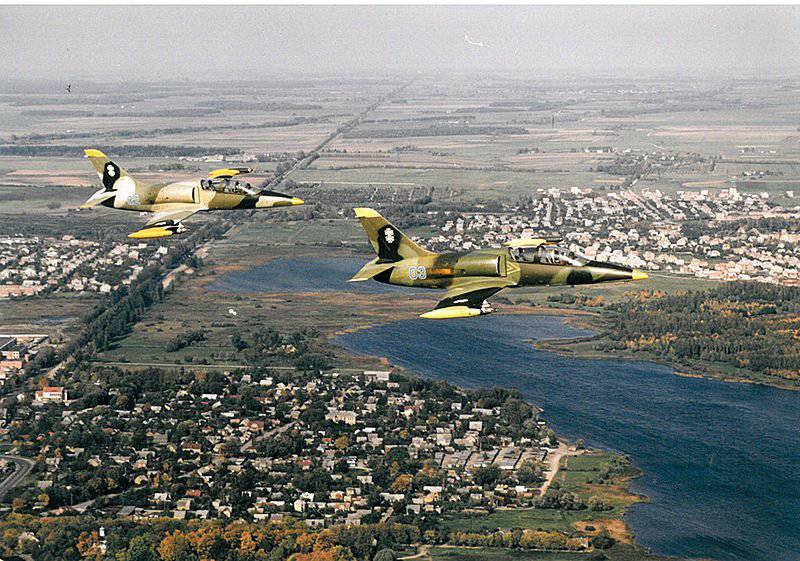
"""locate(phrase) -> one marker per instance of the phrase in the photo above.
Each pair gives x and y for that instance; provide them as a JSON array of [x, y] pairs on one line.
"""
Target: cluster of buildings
[[648, 229], [244, 157], [31, 265], [15, 352], [327, 448]]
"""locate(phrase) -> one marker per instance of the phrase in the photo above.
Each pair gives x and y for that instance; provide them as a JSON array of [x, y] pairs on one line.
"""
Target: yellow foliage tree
[[173, 545], [247, 545], [402, 483], [205, 540]]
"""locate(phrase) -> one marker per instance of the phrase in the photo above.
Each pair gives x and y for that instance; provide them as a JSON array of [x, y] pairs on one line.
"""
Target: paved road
[[24, 467], [340, 130]]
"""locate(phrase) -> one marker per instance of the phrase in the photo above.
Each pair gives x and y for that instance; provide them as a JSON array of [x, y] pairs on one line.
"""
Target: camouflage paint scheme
[[175, 202], [471, 277]]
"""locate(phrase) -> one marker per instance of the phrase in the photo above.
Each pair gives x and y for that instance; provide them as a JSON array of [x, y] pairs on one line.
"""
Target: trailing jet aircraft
[[173, 203], [472, 277]]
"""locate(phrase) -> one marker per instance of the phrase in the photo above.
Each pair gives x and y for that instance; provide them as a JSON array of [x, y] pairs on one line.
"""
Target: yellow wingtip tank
[[274, 202], [452, 312], [639, 275], [228, 172], [148, 233]]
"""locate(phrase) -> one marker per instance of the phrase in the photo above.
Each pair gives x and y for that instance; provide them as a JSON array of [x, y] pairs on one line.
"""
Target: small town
[[31, 265], [324, 447], [647, 229]]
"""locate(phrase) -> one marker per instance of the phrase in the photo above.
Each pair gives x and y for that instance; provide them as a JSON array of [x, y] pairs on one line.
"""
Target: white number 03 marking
[[415, 273]]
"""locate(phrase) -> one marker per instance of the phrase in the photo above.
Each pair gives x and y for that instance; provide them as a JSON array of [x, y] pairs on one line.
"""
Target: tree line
[[746, 325]]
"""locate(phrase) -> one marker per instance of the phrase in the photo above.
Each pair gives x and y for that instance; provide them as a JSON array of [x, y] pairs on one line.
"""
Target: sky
[[260, 42]]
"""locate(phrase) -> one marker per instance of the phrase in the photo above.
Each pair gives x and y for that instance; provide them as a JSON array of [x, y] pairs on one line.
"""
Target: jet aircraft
[[173, 203], [472, 277]]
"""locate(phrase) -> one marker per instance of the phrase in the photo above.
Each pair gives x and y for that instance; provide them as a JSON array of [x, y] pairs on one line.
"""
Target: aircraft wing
[[465, 298], [173, 215], [166, 223]]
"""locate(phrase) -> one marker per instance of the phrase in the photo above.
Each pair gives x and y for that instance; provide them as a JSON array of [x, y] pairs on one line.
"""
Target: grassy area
[[499, 554], [56, 315], [577, 474], [531, 518], [40, 199], [620, 552], [259, 231], [193, 305]]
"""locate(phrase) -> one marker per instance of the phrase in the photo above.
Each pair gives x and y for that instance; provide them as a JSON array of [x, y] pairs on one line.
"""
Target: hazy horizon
[[113, 43]]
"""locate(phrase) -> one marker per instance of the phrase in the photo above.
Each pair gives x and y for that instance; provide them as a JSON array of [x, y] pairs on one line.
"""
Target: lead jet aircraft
[[472, 277], [173, 203]]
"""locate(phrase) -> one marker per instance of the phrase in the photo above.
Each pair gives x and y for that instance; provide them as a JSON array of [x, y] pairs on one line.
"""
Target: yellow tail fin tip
[[92, 153], [366, 213]]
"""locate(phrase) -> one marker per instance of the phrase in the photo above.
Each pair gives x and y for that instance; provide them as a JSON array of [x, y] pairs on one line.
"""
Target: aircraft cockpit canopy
[[549, 254], [227, 185], [224, 181]]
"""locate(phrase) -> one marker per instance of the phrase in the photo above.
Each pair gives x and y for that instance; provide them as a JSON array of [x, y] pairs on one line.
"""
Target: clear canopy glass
[[227, 185], [549, 255]]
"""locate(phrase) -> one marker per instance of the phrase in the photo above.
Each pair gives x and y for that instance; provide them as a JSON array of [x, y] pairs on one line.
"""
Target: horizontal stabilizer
[[98, 198], [370, 270]]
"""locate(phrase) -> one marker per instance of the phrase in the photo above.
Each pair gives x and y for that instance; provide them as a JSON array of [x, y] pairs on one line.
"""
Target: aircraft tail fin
[[389, 243], [371, 270], [108, 171]]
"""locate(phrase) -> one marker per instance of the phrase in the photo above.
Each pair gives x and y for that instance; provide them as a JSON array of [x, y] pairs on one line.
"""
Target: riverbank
[[699, 503], [569, 468], [585, 347]]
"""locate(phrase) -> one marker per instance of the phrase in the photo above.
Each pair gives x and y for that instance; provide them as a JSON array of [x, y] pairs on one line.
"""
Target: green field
[[620, 552], [499, 554], [57, 315], [532, 518]]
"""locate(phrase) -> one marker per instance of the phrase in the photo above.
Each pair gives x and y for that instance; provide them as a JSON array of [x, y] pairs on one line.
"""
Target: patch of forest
[[754, 327]]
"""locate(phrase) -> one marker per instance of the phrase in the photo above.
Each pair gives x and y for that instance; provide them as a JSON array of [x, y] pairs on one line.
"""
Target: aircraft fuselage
[[441, 270]]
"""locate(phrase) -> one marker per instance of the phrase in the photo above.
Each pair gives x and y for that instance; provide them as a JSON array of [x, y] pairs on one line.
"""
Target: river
[[720, 460]]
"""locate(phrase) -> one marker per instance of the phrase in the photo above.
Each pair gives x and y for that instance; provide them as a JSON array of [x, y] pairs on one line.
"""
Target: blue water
[[721, 461], [299, 275]]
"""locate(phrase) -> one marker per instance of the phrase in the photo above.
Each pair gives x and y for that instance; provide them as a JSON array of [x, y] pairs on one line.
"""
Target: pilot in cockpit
[[226, 185], [524, 254], [548, 255]]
